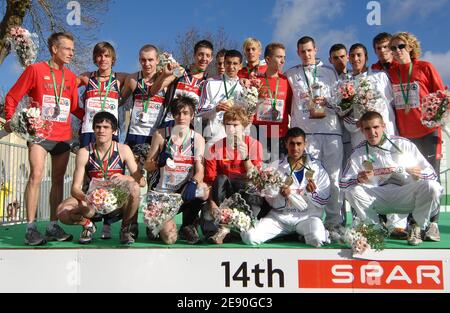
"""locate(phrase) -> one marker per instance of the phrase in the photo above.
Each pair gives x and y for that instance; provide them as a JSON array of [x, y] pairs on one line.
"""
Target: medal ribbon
[[57, 98], [101, 162], [405, 94], [273, 99], [226, 89], [108, 87]]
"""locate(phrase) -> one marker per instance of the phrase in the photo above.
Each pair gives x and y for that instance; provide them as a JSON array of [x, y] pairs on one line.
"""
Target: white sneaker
[[432, 233], [106, 232], [414, 235]]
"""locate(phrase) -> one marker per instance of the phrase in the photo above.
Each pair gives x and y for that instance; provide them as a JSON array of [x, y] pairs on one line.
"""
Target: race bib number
[[413, 97], [267, 113], [55, 113], [151, 117], [93, 106], [174, 178]]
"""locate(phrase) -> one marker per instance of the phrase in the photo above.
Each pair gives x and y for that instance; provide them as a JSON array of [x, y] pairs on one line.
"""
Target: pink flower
[[225, 215]]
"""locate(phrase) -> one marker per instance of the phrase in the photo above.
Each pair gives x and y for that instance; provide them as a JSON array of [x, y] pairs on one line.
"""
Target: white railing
[[14, 171]]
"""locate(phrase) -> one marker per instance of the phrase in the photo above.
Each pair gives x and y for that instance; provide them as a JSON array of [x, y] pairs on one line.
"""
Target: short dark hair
[[337, 47], [54, 38], [305, 40], [359, 45], [104, 116], [370, 115], [271, 47], [203, 44], [148, 47], [233, 54], [103, 47], [221, 53], [380, 38], [182, 101], [294, 132]]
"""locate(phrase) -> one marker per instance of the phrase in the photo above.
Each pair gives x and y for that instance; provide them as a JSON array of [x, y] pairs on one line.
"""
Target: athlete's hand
[[223, 106], [415, 172], [364, 176], [7, 127], [285, 191], [311, 186], [245, 82]]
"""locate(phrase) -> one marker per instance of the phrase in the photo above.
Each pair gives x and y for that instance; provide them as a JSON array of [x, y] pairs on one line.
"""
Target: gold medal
[[289, 181], [367, 165], [309, 174], [230, 102]]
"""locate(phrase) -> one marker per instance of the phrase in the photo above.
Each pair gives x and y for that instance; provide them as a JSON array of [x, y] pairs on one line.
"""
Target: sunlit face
[[202, 58], [400, 50], [383, 52], [232, 66], [148, 60], [103, 132], [64, 51], [252, 53], [220, 65], [339, 59], [373, 130], [358, 60], [277, 60], [184, 116], [295, 147], [104, 61], [307, 52]]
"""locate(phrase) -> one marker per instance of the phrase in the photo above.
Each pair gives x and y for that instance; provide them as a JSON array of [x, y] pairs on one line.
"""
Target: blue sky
[[132, 23]]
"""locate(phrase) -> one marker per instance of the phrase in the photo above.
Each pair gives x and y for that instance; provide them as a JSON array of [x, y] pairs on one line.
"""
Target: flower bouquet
[[166, 58], [25, 44], [159, 208], [249, 99], [362, 237], [345, 94], [266, 182], [235, 213], [106, 196], [366, 98], [29, 125], [435, 110]]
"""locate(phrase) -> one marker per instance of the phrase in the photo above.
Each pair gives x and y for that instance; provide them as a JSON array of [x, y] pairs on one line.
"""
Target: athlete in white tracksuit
[[392, 188], [381, 84], [299, 213], [214, 93], [324, 135]]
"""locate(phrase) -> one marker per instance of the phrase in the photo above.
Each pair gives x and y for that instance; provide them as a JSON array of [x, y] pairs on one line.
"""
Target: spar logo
[[420, 275]]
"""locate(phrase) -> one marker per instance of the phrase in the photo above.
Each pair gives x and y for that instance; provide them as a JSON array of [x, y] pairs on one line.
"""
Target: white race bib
[[54, 113], [93, 106], [413, 97]]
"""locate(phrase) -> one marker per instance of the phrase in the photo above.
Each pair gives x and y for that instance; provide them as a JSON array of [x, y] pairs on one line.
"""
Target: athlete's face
[[64, 51], [220, 65], [234, 128], [148, 60], [307, 52], [232, 66], [339, 59], [295, 147], [383, 52], [202, 58], [252, 53], [400, 51], [373, 130], [104, 61], [184, 117], [358, 60], [103, 132], [277, 60]]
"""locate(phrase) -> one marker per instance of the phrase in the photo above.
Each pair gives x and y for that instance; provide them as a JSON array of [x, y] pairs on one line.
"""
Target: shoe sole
[[432, 239], [84, 242], [69, 238], [43, 242]]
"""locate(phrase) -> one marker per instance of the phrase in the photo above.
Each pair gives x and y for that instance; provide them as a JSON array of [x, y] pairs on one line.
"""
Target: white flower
[[33, 112]]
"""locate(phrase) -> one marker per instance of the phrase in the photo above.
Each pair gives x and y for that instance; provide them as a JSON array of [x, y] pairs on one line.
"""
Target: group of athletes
[[190, 133]]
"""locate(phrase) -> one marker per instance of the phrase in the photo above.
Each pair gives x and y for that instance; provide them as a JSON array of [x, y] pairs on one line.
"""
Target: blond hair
[[236, 114], [249, 41], [411, 41]]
